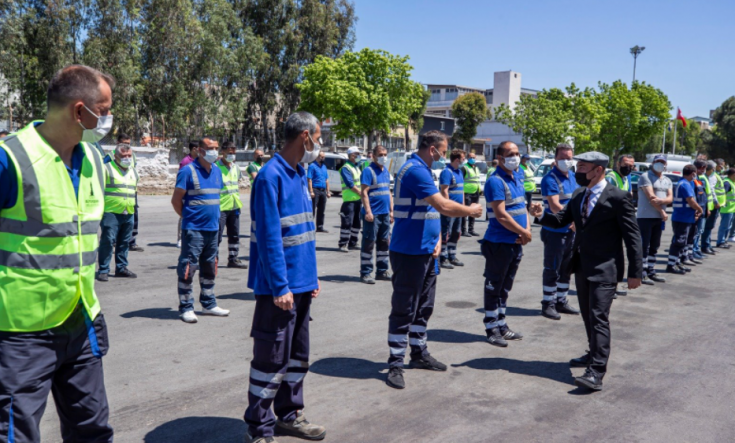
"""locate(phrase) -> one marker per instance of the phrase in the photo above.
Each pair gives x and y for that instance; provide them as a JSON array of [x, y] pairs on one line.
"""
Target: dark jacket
[[612, 221]]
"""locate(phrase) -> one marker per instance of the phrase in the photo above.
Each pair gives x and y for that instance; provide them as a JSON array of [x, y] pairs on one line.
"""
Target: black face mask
[[625, 170], [259, 159], [582, 179]]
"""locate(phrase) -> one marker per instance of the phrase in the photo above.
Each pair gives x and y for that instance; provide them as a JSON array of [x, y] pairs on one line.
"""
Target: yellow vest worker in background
[[529, 185], [52, 334], [230, 204], [349, 213]]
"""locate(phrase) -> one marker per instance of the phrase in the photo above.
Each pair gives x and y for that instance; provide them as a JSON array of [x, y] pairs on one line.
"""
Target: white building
[[506, 89]]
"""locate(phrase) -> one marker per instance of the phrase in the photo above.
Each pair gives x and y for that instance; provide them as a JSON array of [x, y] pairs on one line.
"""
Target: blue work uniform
[[502, 253], [199, 233], [557, 242], [415, 235], [376, 234], [282, 261], [451, 226], [682, 222], [319, 175]]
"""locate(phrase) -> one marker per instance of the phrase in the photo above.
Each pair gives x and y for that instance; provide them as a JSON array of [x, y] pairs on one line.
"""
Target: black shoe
[[446, 265], [136, 248], [621, 292], [395, 378], [103, 277], [615, 297], [496, 339], [473, 234], [456, 262], [581, 362], [723, 246], [590, 381], [322, 231], [384, 276], [709, 251], [237, 264], [675, 270], [354, 248], [125, 273], [368, 279], [657, 279], [688, 262], [511, 335], [464, 234], [647, 281], [684, 268], [566, 308], [696, 261], [427, 362], [548, 310]]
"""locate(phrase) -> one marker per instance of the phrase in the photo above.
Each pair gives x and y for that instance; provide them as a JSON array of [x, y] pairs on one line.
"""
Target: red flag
[[681, 117]]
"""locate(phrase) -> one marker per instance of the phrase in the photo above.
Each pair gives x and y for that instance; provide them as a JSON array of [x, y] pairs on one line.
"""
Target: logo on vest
[[91, 199]]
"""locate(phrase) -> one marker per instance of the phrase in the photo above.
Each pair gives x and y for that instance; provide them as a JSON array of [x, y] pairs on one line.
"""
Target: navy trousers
[[231, 220], [66, 361], [501, 264], [198, 252], [349, 216], [679, 247], [280, 362], [451, 227], [557, 272], [414, 290], [375, 236]]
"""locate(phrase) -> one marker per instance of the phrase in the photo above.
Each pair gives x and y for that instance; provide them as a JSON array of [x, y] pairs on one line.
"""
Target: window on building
[[441, 126]]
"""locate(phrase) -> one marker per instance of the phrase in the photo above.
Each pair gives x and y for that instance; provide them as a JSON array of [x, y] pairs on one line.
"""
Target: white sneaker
[[178, 244], [731, 239], [216, 311], [188, 317]]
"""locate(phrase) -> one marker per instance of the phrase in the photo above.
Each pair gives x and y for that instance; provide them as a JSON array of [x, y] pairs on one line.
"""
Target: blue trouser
[[280, 362], [557, 272], [412, 303], [709, 226], [451, 231], [116, 229], [679, 249], [65, 361], [198, 251], [501, 264], [375, 234], [699, 226], [725, 226]]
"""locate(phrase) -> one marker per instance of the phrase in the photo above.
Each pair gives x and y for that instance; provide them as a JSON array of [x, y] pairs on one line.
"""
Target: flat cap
[[597, 158]]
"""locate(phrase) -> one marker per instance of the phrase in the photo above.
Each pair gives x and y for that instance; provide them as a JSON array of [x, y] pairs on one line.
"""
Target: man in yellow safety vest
[[349, 213]]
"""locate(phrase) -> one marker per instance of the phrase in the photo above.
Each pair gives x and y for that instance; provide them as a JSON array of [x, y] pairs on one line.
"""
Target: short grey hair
[[122, 147], [76, 82], [297, 123], [622, 156], [563, 147]]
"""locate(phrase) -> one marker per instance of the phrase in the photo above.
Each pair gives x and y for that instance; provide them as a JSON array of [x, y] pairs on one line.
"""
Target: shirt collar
[[597, 189], [560, 174], [283, 162], [416, 157], [449, 165], [500, 171]]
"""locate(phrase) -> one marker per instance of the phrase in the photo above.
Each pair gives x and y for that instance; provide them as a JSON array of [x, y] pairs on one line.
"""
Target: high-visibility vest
[[490, 171], [348, 194], [529, 185], [620, 182], [720, 190], [48, 240], [708, 192], [111, 157], [471, 179], [729, 206], [120, 189], [229, 196]]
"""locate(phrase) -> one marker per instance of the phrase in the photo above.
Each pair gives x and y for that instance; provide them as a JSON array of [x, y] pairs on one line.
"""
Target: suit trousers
[[280, 362], [595, 300], [319, 203], [468, 200]]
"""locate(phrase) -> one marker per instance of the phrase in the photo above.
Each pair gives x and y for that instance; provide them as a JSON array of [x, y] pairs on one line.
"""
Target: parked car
[[642, 166], [544, 169], [634, 177], [334, 162]]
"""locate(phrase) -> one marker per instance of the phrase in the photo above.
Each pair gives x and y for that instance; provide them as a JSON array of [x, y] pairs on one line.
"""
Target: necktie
[[585, 206]]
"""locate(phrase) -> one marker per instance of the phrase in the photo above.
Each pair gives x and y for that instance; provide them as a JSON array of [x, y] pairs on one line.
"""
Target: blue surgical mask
[[471, 161]]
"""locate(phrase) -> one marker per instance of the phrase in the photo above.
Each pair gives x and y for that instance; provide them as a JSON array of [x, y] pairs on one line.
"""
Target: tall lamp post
[[636, 51]]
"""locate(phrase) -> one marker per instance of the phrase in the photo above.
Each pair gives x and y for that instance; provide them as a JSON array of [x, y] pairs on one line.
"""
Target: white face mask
[[659, 167], [513, 162], [126, 162], [382, 161], [310, 156], [564, 165], [104, 124], [231, 158], [211, 155]]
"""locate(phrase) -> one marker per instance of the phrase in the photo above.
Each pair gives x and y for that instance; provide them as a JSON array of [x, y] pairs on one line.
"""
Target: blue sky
[[690, 46]]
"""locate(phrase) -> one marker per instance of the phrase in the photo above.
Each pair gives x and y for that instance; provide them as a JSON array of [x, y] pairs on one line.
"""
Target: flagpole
[[673, 144]]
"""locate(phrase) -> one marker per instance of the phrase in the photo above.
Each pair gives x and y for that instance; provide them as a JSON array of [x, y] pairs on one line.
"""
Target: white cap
[[353, 150]]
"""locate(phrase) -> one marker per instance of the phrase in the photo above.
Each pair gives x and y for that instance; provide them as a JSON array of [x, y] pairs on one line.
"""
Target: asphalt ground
[[667, 381]]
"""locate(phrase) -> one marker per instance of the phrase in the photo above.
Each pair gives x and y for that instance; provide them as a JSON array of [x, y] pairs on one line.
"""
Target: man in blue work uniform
[[686, 212], [508, 230], [377, 216], [556, 190], [197, 201], [318, 178], [451, 185], [52, 333], [283, 276], [414, 248]]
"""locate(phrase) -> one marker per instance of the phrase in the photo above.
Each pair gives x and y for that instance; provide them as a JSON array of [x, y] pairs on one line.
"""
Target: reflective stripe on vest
[[471, 180], [197, 191], [509, 202], [376, 189], [348, 194], [720, 190], [529, 185], [708, 192], [619, 182], [229, 195], [120, 189], [410, 207], [729, 206], [48, 239]]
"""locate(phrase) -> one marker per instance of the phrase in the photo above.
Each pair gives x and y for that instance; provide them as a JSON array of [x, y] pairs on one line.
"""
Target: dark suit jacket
[[612, 221]]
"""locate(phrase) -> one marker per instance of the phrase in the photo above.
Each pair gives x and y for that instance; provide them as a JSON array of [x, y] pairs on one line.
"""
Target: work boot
[[566, 308], [384, 276], [250, 439], [696, 261], [647, 281], [395, 378], [237, 264], [548, 310], [125, 272], [446, 265], [456, 262], [684, 268], [656, 278], [367, 279], [354, 248], [427, 362], [136, 248], [688, 262], [511, 335], [675, 270], [464, 234], [301, 428], [343, 248], [495, 338], [473, 234], [103, 277]]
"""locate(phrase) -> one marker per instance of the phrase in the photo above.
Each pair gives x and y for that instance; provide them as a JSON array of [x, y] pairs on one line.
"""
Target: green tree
[[366, 93], [720, 142], [416, 119], [469, 110]]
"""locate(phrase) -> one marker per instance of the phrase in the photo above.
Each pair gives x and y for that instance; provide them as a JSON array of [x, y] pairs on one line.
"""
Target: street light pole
[[636, 51]]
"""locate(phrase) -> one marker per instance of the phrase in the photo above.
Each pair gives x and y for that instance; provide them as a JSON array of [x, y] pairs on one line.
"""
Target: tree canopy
[[469, 110]]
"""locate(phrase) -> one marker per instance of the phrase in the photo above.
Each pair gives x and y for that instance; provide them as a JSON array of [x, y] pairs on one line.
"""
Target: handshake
[[536, 210]]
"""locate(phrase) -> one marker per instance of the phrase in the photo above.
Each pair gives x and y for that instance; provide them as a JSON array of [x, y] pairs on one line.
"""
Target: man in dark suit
[[604, 217]]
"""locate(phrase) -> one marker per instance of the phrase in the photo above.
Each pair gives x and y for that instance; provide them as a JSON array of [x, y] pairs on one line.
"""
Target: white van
[[674, 163], [544, 168], [334, 162]]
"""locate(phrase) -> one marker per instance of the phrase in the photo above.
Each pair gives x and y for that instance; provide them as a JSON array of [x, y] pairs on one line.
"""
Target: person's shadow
[[347, 367], [244, 296], [556, 371], [154, 313], [512, 311], [198, 430], [340, 278], [451, 336]]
